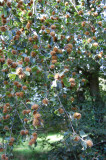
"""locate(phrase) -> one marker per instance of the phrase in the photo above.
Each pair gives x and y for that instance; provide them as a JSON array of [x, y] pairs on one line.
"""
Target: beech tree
[[51, 58]]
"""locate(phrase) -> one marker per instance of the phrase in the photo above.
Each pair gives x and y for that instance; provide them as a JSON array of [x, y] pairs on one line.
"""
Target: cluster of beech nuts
[[20, 73], [36, 116]]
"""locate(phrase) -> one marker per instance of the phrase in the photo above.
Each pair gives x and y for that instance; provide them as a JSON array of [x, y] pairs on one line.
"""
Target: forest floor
[[40, 152]]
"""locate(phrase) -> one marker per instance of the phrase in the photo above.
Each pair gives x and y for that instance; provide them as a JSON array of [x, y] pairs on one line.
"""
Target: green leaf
[[7, 138], [5, 12], [82, 134], [35, 68], [12, 76], [5, 66], [56, 112], [50, 75], [84, 145], [66, 83], [27, 73], [49, 20]]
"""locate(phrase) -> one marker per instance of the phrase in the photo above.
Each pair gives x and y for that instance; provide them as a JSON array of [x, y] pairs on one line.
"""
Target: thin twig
[[66, 113], [24, 104], [21, 120]]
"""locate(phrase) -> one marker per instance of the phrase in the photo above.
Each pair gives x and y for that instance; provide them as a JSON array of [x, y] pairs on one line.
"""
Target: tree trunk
[[94, 85], [98, 104]]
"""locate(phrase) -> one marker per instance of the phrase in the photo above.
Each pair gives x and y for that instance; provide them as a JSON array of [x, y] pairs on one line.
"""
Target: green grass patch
[[39, 152]]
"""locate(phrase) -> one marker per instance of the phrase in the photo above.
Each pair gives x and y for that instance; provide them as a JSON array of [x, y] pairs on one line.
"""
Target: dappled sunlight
[[40, 151], [49, 139], [54, 138]]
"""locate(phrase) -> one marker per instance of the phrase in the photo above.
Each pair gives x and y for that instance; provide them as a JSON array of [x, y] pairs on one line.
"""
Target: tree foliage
[[51, 58]]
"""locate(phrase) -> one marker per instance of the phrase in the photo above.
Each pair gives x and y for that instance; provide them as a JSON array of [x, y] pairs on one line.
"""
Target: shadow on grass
[[30, 155], [25, 153], [40, 152]]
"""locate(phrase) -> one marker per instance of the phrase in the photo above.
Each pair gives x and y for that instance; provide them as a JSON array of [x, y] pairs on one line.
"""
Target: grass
[[40, 152]]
